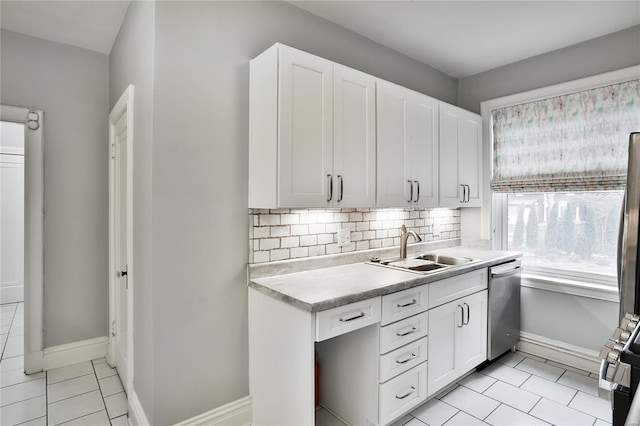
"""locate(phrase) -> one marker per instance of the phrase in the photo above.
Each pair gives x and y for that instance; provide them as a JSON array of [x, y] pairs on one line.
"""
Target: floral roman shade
[[573, 142]]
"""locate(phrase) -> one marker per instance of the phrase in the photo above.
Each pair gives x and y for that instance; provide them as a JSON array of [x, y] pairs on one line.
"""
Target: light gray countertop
[[330, 287]]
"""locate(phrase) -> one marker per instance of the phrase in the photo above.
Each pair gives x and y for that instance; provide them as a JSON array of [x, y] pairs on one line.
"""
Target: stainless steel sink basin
[[445, 260], [423, 264]]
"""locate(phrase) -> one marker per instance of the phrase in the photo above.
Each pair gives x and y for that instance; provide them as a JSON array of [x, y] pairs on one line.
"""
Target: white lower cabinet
[[460, 330], [379, 358]]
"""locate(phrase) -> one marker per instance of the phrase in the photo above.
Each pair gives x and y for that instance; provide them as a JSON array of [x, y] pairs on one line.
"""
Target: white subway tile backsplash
[[308, 240], [299, 229], [269, 243], [281, 234], [279, 231], [279, 254]]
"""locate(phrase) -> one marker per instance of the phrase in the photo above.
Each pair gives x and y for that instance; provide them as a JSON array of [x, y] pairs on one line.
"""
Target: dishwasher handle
[[506, 270]]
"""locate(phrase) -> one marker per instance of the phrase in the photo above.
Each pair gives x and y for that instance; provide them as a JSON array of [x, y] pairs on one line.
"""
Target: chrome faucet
[[403, 241]]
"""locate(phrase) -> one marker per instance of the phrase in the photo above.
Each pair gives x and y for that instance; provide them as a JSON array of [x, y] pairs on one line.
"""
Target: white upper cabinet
[[312, 132], [305, 128], [354, 138], [407, 150], [460, 157]]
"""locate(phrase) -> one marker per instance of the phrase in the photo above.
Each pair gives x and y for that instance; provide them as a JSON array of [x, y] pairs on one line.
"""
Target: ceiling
[[460, 38], [92, 25]]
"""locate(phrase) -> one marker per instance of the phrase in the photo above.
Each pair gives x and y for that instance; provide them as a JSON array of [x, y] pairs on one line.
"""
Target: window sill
[[574, 287]]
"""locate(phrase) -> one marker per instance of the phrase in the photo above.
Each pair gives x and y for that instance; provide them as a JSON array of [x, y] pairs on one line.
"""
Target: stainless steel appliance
[[620, 365], [628, 236], [504, 308]]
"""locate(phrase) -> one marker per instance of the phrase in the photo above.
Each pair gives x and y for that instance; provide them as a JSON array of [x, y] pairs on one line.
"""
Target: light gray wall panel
[[597, 56], [71, 85], [200, 160], [580, 321], [131, 62]]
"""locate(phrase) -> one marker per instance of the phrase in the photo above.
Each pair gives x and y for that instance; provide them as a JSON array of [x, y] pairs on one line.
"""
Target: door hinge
[[113, 150], [113, 328]]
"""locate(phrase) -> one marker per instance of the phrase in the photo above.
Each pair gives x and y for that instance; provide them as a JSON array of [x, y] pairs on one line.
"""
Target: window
[[559, 172], [565, 232]]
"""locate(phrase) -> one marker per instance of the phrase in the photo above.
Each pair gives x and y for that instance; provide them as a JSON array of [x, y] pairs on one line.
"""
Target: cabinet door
[[471, 338], [354, 143], [444, 321], [450, 191], [423, 128], [305, 123], [470, 146], [393, 145]]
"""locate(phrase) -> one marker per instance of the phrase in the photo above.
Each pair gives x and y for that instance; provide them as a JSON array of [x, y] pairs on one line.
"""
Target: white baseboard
[[12, 294], [555, 350], [73, 353], [137, 416], [236, 413]]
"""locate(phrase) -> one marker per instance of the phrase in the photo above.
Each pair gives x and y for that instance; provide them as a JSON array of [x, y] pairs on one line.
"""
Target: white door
[[120, 238], [121, 285], [444, 321], [450, 192], [305, 121], [471, 338], [470, 156], [11, 228], [393, 145], [424, 151], [354, 140]]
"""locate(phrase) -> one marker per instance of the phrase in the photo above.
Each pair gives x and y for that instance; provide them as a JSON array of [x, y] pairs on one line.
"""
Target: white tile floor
[[89, 393], [518, 389]]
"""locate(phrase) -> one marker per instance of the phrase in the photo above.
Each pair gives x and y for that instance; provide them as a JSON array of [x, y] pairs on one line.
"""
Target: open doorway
[[21, 235]]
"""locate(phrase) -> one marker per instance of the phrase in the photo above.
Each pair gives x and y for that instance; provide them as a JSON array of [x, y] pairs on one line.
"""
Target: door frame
[[33, 121], [123, 106]]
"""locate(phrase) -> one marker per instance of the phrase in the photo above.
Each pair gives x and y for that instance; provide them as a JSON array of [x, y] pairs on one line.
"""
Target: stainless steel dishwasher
[[504, 308]]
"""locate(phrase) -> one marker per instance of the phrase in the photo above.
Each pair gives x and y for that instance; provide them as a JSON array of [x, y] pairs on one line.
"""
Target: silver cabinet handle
[[330, 193], [461, 316], [407, 359], [418, 191], [412, 390], [411, 191], [468, 314], [463, 193], [468, 193], [355, 317], [404, 305], [406, 333], [341, 188]]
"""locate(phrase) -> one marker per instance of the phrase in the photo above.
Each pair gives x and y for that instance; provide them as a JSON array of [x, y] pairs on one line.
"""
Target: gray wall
[[131, 62], [200, 171], [71, 86], [596, 56], [580, 321]]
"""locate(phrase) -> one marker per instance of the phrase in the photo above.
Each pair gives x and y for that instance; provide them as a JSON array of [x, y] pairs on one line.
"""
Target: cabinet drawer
[[444, 291], [343, 319], [401, 394], [402, 359], [403, 304], [400, 333]]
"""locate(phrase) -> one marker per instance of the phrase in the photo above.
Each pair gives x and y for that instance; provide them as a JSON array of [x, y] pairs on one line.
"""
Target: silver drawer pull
[[407, 359], [406, 333], [355, 317], [412, 390], [404, 305]]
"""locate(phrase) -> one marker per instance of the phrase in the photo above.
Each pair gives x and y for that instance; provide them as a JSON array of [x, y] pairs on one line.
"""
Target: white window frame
[[494, 218]]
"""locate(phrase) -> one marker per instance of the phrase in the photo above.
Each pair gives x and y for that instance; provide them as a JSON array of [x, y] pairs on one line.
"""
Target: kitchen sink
[[422, 264]]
